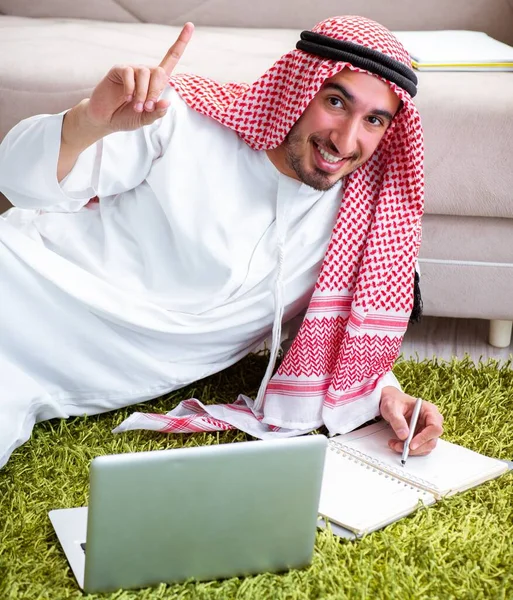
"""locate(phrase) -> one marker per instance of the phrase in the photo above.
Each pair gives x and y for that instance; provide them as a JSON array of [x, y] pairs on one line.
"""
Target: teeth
[[327, 156]]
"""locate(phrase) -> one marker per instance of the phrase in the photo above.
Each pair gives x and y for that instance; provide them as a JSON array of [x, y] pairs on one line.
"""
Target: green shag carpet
[[460, 548]]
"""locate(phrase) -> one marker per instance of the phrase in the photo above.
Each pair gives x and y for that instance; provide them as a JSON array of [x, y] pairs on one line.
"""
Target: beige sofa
[[54, 51]]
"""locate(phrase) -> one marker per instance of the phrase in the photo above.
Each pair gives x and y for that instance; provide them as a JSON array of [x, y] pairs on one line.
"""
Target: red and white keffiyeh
[[359, 310]]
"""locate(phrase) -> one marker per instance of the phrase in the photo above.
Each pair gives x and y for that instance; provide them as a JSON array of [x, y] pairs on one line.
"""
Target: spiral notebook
[[365, 487]]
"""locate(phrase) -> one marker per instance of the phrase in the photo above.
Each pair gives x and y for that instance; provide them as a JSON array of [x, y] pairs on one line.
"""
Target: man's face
[[339, 130]]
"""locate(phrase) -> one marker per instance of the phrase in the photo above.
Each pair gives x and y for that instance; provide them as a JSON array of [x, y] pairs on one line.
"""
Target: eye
[[376, 121], [336, 102]]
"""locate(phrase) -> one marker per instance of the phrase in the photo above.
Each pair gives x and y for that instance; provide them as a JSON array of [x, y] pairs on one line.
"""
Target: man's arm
[[77, 134], [41, 151], [126, 99]]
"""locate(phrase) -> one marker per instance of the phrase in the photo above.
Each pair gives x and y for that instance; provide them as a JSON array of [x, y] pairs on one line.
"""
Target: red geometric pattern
[[366, 280]]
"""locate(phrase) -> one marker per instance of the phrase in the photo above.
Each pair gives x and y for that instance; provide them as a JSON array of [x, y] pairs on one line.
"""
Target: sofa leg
[[500, 333]]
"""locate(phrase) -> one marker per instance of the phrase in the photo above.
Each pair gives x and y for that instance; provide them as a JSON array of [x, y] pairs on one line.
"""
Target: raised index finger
[[174, 54]]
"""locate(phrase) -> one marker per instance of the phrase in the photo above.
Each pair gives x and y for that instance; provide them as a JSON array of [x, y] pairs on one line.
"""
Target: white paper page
[[454, 47], [362, 499], [449, 467]]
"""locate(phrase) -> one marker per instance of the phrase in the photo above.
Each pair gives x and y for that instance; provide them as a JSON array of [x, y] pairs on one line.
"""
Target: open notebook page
[[363, 499], [449, 468]]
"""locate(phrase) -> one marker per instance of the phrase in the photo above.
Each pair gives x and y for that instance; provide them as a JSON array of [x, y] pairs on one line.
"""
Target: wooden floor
[[444, 338]]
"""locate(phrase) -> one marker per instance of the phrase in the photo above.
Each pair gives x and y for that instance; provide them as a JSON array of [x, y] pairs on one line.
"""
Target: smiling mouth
[[329, 157], [327, 162]]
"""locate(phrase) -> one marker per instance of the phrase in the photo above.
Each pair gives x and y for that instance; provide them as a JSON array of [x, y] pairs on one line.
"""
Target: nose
[[345, 137]]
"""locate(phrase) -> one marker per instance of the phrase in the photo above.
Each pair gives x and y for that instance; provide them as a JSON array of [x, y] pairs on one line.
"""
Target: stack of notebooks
[[457, 50], [365, 487]]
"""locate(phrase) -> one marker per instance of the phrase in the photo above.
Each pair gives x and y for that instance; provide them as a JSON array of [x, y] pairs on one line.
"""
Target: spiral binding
[[380, 467]]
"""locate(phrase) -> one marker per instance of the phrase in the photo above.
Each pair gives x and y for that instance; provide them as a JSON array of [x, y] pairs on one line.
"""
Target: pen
[[413, 425]]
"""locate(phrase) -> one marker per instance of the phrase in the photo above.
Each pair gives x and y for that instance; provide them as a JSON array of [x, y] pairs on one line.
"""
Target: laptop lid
[[207, 512]]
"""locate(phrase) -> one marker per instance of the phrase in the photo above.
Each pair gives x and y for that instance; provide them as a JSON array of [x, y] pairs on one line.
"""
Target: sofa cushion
[[468, 117], [56, 62], [468, 125], [473, 239]]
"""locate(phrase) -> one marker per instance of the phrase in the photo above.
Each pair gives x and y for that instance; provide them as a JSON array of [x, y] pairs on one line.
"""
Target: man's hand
[[396, 408], [128, 96], [125, 99]]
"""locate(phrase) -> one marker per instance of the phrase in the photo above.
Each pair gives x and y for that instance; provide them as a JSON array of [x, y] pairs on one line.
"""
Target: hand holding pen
[[420, 437]]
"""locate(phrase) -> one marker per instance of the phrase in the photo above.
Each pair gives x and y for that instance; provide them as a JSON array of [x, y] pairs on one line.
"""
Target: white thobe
[[167, 279]]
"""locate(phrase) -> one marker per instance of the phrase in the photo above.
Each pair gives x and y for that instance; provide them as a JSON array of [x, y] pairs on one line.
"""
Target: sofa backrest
[[495, 17]]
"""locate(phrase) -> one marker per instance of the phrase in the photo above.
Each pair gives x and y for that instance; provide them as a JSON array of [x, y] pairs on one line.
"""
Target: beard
[[294, 152]]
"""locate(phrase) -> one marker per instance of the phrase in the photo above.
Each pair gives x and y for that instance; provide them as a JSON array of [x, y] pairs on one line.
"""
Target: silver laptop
[[207, 512]]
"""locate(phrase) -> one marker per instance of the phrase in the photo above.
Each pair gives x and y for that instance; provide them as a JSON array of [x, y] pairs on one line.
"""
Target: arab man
[[167, 225]]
